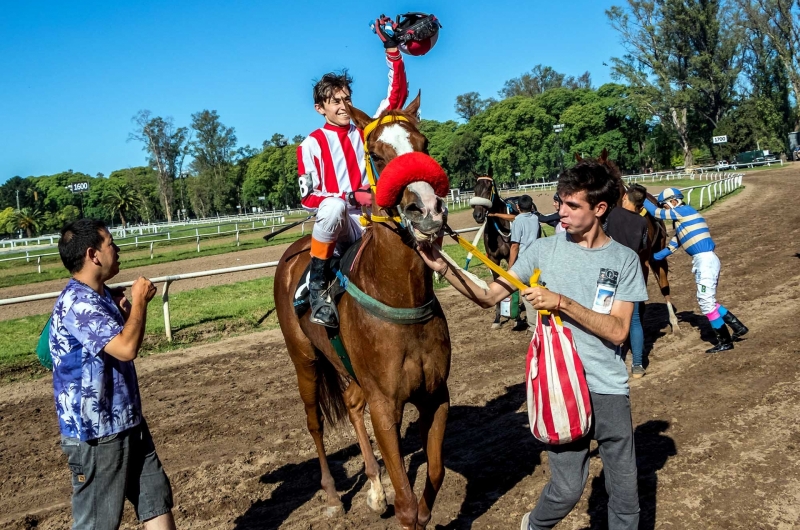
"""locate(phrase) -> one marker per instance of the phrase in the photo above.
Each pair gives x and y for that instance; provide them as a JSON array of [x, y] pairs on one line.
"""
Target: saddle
[[340, 266]]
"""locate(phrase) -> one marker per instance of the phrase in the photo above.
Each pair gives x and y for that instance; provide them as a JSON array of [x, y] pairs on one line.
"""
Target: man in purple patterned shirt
[[95, 334]]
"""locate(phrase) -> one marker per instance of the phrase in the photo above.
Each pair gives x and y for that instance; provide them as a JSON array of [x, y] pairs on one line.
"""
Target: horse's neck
[[499, 206], [391, 271]]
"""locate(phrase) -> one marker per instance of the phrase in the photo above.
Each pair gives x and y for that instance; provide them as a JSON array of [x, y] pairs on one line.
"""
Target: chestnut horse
[[393, 363], [497, 234]]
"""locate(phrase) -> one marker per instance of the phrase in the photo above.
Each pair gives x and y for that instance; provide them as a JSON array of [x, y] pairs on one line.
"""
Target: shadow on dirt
[[299, 483], [490, 446], [653, 449]]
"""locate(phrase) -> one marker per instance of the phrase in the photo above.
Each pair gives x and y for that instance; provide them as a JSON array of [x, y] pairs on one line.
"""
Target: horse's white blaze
[[398, 137]]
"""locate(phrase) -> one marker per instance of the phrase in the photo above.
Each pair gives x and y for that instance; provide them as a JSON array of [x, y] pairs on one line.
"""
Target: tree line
[[692, 69]]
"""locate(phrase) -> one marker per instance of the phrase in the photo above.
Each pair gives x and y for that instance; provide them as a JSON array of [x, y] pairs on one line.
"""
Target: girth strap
[[341, 352], [395, 315]]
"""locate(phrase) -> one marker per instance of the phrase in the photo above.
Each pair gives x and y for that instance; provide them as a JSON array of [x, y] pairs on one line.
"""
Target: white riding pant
[[706, 267], [336, 222]]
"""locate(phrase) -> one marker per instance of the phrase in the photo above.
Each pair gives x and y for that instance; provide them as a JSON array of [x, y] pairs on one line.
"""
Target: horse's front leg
[[355, 401], [386, 418], [661, 270], [432, 422]]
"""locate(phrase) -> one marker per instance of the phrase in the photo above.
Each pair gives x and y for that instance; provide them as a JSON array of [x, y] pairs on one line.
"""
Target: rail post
[[165, 303], [302, 230], [151, 250], [198, 243], [136, 242], [39, 264], [237, 238], [27, 257]]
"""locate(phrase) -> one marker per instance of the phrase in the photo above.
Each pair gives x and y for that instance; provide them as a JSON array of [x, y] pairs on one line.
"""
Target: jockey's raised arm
[[398, 84], [330, 161]]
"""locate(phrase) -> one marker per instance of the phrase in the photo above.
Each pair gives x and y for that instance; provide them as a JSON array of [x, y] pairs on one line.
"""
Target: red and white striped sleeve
[[398, 84]]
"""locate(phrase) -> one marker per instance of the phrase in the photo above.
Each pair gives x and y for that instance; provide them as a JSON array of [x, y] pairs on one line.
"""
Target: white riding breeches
[[706, 267], [336, 222]]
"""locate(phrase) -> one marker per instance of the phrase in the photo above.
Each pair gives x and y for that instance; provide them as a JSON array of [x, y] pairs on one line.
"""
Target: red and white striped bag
[[559, 407]]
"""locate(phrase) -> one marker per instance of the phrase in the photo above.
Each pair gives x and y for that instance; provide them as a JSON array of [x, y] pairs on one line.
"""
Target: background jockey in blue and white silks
[[691, 232], [332, 172]]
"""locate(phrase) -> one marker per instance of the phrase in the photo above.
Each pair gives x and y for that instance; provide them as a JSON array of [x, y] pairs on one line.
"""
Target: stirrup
[[323, 311]]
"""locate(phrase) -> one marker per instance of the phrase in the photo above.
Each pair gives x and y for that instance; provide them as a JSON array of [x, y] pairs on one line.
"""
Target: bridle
[[402, 226], [478, 201], [372, 171]]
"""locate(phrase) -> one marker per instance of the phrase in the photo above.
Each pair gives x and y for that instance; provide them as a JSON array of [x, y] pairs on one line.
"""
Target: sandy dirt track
[[716, 436]]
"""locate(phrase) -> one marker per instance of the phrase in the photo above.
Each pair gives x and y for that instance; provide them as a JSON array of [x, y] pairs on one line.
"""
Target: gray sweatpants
[[569, 468]]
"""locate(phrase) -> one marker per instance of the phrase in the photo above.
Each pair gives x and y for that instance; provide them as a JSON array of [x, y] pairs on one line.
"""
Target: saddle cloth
[[343, 263]]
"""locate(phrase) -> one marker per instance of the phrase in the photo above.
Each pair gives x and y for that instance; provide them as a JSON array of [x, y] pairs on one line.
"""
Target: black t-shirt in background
[[627, 228]]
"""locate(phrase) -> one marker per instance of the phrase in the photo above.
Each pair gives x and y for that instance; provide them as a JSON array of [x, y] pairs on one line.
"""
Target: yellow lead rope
[[469, 247]]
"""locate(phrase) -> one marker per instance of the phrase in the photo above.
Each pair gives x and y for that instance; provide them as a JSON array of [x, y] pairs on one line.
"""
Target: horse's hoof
[[377, 505], [496, 325], [331, 512]]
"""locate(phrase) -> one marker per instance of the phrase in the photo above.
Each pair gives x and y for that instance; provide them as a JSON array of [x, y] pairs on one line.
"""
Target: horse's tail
[[330, 391]]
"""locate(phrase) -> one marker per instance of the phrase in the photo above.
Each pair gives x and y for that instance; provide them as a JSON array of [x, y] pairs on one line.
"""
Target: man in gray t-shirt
[[595, 278], [593, 282]]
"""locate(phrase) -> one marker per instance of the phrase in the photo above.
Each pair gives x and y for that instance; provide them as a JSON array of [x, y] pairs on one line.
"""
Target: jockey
[[332, 170], [691, 232]]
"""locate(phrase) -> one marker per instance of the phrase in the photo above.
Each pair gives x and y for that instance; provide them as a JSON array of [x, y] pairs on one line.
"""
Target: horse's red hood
[[405, 169]]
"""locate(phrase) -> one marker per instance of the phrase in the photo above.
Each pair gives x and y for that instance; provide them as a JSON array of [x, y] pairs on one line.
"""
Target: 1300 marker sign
[[720, 139]]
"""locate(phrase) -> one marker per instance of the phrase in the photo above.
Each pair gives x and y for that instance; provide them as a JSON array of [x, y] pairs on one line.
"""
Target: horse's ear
[[412, 108], [359, 117], [604, 156], [578, 158]]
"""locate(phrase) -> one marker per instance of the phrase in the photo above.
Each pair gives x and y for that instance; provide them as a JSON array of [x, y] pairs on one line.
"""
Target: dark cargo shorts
[[106, 471]]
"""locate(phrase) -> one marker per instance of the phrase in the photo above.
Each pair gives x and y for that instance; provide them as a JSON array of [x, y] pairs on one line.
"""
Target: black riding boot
[[736, 325], [323, 312], [724, 340]]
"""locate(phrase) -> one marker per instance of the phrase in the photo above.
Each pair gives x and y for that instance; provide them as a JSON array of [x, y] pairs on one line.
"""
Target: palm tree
[[28, 220], [120, 199]]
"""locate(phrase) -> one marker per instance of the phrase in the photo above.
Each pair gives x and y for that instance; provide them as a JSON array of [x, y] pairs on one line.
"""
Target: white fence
[[714, 190], [157, 228], [167, 281], [142, 240]]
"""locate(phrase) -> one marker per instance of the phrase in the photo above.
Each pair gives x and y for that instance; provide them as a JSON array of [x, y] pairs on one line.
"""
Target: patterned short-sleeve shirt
[[96, 394]]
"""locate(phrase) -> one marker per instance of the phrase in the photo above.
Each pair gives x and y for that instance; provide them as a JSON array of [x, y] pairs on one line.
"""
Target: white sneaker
[[525, 525]]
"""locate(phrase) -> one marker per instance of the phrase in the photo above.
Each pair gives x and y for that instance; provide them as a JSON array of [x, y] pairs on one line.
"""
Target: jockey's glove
[[387, 37], [362, 197], [661, 254]]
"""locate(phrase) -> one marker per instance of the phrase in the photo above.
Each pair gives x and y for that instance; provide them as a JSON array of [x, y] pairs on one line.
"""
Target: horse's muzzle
[[479, 214]]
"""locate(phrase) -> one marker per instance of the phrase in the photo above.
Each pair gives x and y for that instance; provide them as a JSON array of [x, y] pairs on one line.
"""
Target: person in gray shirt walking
[[525, 230], [593, 282]]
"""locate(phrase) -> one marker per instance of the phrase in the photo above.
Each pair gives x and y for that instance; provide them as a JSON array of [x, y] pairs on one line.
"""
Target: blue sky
[[72, 74]]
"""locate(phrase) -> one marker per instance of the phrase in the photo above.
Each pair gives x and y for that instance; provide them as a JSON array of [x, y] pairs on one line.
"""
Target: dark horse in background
[[497, 234]]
